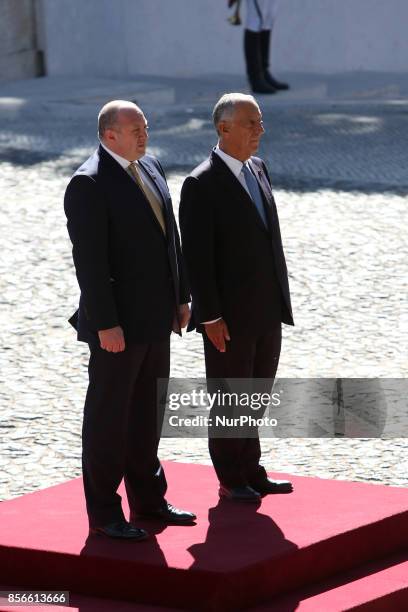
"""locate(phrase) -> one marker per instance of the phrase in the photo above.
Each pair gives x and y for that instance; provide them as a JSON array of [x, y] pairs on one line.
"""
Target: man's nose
[[259, 130]]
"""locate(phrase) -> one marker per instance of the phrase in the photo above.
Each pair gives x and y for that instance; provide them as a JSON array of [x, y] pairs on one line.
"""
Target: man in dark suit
[[237, 271], [126, 253]]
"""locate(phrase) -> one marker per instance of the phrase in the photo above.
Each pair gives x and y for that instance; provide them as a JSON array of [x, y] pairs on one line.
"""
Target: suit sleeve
[[198, 241], [87, 223], [184, 296]]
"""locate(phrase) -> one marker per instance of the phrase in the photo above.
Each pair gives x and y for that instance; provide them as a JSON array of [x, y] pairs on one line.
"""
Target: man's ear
[[110, 135], [223, 127]]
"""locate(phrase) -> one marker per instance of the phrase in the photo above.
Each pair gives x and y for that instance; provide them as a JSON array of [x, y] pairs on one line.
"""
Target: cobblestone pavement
[[340, 184]]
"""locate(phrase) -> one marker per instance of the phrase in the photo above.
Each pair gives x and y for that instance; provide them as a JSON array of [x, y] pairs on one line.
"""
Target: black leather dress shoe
[[121, 530], [239, 494], [269, 486], [168, 514]]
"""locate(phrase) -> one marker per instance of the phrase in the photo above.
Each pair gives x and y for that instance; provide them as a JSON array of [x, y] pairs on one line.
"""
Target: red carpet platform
[[375, 587], [236, 557]]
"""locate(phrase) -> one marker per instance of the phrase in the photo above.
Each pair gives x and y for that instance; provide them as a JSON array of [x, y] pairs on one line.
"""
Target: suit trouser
[[236, 459], [121, 430]]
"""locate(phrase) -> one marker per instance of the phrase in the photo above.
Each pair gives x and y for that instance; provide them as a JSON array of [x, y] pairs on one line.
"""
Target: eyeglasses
[[249, 125]]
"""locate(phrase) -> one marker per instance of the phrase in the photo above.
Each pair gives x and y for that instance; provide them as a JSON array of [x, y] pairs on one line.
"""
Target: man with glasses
[[237, 271]]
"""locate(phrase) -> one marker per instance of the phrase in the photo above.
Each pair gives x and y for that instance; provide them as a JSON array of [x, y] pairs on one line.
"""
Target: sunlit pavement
[[340, 185]]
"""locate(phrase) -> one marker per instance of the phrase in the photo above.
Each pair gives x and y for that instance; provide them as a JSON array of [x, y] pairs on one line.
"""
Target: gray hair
[[109, 114], [225, 107]]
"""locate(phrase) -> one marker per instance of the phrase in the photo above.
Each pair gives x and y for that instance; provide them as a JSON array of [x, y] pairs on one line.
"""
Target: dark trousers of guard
[[236, 456], [121, 430]]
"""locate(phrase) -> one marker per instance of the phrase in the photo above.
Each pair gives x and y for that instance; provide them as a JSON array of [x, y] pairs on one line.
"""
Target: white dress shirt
[[235, 165], [125, 164]]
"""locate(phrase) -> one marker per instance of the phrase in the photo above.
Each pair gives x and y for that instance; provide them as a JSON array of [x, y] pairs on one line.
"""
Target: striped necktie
[[150, 196]]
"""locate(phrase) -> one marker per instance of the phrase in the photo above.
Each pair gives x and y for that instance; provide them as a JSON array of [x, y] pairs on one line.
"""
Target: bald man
[[126, 252]]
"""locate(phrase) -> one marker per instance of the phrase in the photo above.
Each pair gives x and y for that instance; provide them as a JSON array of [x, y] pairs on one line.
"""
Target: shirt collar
[[121, 160], [235, 165]]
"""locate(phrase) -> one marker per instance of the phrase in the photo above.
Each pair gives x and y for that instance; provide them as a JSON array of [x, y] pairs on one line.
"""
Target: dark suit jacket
[[129, 273], [236, 266]]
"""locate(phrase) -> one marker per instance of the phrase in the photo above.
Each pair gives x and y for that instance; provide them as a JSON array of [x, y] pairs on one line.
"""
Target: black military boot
[[253, 59], [265, 37]]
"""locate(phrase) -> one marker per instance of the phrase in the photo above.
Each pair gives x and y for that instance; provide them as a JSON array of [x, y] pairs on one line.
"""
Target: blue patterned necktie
[[255, 192]]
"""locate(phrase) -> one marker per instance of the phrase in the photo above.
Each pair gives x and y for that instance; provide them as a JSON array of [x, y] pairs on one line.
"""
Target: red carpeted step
[[237, 555], [375, 587]]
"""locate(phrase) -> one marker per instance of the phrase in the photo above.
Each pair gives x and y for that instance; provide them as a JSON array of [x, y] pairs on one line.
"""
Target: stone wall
[[123, 38], [19, 55]]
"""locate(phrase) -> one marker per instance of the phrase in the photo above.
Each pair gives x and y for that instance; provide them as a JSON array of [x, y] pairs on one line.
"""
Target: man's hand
[[184, 315], [217, 332], [182, 319], [112, 339]]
